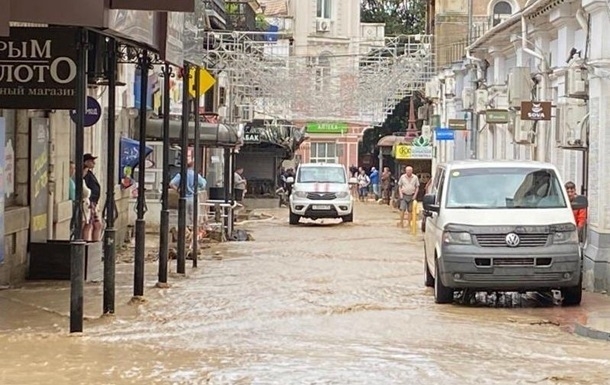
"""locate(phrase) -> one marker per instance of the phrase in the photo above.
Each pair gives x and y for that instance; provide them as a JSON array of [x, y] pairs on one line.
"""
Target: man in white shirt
[[239, 184], [408, 185]]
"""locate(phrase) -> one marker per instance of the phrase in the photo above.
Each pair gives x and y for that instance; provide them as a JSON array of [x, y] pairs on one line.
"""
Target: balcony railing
[[456, 51], [216, 12]]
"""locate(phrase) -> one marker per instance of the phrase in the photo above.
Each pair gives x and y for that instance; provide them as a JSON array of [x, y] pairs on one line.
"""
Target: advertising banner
[[129, 157], [38, 68]]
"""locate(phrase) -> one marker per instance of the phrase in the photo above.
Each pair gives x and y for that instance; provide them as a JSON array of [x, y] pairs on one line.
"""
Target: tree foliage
[[401, 17]]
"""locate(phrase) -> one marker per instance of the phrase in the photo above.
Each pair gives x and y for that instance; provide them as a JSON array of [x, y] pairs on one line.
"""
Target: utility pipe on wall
[[581, 18], [474, 121], [542, 79]]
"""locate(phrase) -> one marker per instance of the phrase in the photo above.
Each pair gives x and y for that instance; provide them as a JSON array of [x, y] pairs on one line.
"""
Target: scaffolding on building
[[265, 76]]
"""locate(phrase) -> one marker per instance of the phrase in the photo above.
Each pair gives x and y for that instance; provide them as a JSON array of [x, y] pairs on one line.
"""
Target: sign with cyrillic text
[[38, 68]]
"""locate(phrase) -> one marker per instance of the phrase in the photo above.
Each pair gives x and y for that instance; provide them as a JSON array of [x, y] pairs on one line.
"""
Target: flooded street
[[310, 304]]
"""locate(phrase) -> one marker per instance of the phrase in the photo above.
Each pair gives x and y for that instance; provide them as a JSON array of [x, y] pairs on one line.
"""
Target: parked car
[[321, 191], [500, 226]]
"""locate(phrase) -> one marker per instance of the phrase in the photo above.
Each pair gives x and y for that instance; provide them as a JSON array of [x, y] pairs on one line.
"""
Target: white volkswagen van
[[500, 226], [321, 191]]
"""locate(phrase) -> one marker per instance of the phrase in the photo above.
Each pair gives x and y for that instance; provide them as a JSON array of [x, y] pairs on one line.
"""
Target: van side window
[[440, 186], [434, 182]]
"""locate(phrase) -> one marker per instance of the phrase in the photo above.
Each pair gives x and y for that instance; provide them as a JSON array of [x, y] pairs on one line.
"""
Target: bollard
[[414, 216], [77, 284]]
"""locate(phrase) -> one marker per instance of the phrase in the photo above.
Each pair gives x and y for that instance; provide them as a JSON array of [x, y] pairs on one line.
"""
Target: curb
[[586, 331]]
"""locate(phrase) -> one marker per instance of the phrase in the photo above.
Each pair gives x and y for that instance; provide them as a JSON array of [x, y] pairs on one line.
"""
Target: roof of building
[[275, 7], [390, 140]]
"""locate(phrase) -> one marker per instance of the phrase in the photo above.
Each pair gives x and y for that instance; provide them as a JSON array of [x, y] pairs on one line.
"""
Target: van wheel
[[442, 294], [428, 278], [294, 219], [572, 296]]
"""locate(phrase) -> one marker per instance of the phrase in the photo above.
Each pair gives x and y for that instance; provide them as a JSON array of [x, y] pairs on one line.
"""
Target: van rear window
[[500, 188]]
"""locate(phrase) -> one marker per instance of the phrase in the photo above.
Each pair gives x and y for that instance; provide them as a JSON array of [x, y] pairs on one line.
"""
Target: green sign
[[421, 141], [497, 116], [326, 128]]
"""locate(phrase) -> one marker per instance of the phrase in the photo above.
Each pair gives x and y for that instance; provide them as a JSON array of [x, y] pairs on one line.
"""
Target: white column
[[566, 25], [498, 141], [542, 46], [597, 253], [499, 70]]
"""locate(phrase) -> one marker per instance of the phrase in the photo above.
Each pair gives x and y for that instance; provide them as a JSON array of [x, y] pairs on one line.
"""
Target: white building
[[550, 50]]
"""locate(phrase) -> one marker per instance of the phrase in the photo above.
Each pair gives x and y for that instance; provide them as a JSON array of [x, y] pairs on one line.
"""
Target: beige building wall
[[451, 25]]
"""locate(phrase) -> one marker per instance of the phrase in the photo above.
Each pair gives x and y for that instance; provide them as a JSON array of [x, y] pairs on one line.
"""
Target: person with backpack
[[363, 185]]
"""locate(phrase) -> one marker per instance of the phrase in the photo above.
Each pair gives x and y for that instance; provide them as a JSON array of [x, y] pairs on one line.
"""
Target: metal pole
[[77, 247], [474, 127], [138, 276], [470, 17], [164, 230], [229, 193], [181, 269], [196, 161], [232, 217], [110, 232]]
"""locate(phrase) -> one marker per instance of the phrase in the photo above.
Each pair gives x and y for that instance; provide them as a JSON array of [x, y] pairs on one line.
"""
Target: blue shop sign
[[444, 134], [93, 112]]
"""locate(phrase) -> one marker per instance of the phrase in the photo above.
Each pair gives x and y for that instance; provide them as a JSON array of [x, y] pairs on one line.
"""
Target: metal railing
[[455, 51]]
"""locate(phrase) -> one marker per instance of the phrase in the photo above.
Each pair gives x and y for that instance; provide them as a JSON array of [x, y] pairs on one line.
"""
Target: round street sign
[[93, 112]]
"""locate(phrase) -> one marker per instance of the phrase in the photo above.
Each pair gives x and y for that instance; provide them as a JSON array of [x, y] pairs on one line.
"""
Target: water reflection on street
[[313, 304]]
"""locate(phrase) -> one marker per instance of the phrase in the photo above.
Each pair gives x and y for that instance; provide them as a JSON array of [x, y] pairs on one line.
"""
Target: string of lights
[[277, 79]]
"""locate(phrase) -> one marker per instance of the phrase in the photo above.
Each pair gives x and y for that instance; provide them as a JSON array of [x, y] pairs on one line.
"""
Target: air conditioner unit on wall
[[481, 100], [426, 131], [432, 89], [450, 86], [467, 99], [571, 123], [522, 130], [520, 86], [322, 25], [577, 82]]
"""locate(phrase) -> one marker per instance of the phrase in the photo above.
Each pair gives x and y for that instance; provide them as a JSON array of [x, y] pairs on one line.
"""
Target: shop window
[[501, 11], [10, 137], [323, 153], [324, 9]]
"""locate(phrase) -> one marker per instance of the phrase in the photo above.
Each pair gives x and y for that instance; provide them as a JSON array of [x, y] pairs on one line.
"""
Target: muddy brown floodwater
[[312, 304]]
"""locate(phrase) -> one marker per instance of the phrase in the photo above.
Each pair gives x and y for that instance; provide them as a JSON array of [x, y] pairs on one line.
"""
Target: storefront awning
[[210, 134], [390, 140]]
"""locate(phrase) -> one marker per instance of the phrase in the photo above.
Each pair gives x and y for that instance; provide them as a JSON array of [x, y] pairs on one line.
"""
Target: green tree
[[401, 17]]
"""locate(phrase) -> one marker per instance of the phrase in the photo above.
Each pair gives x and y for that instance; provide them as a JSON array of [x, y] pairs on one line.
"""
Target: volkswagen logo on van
[[512, 240]]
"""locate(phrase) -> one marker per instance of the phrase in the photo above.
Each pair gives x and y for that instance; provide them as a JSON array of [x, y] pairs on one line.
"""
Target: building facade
[[329, 35], [39, 140], [551, 52]]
